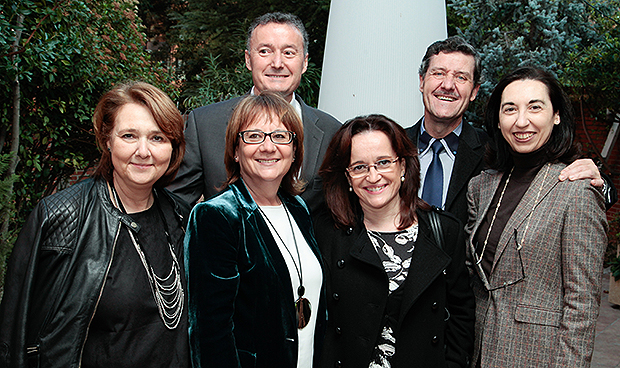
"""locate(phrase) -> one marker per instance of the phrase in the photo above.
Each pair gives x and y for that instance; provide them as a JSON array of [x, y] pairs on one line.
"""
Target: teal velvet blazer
[[240, 293]]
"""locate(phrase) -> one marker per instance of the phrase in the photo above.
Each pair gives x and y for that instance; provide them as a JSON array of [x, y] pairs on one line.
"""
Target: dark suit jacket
[[436, 320], [241, 308], [203, 170], [469, 163], [538, 307]]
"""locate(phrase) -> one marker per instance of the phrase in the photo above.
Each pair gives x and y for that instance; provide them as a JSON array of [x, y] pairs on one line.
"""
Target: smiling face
[[447, 89], [276, 58], [526, 116], [139, 150], [376, 191], [264, 163]]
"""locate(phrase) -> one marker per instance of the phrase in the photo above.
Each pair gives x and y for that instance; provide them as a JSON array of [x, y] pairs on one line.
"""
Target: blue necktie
[[433, 182]]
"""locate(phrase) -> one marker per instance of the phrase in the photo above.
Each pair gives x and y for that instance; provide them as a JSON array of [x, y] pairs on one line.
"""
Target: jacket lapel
[[468, 156], [313, 136], [489, 183], [263, 233], [543, 183], [363, 249], [427, 263]]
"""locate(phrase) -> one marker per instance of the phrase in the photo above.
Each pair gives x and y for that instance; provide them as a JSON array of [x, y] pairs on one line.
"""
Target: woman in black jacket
[[96, 277], [397, 295]]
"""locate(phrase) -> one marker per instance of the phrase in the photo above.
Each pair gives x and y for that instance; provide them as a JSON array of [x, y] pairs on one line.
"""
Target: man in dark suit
[[449, 80], [277, 55]]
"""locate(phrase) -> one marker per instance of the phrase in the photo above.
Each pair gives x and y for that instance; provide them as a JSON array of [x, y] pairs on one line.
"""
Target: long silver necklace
[[167, 291], [499, 202], [303, 308]]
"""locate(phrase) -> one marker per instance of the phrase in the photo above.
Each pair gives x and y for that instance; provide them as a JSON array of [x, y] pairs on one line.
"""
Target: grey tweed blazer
[[539, 305]]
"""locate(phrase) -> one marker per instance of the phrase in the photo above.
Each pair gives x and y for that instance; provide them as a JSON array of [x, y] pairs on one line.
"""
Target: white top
[[311, 272]]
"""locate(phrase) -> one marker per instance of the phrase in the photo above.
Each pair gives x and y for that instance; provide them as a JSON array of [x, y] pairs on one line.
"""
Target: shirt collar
[[296, 105]]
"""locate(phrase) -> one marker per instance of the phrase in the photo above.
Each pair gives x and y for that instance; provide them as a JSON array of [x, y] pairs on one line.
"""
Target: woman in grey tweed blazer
[[536, 244]]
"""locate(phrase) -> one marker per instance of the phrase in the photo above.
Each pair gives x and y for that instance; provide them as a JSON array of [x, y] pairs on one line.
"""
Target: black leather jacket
[[56, 274]]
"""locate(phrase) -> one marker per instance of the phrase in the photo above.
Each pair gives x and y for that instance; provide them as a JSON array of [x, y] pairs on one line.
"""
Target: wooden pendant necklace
[[303, 307]]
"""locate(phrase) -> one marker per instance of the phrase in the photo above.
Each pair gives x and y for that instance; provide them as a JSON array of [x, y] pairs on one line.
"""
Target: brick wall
[[79, 175], [597, 132]]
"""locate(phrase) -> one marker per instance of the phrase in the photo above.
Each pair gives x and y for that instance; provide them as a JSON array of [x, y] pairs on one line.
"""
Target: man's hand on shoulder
[[582, 169]]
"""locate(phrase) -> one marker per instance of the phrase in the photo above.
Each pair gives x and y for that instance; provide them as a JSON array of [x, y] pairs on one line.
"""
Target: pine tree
[[510, 34]]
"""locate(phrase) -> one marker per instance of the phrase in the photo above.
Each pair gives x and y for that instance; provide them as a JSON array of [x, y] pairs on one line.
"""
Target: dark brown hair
[[266, 104], [448, 46], [164, 112], [560, 146], [343, 204]]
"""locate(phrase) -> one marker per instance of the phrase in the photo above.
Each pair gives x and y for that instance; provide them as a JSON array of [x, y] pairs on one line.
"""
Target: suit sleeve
[[213, 281], [583, 243], [189, 183]]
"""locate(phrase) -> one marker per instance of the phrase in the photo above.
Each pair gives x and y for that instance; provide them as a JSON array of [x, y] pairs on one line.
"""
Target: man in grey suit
[[449, 80], [277, 55]]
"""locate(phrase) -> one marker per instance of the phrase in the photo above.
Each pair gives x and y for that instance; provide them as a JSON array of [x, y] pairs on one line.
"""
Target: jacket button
[[338, 331], [336, 296], [340, 263], [435, 306], [350, 231], [435, 340], [338, 364]]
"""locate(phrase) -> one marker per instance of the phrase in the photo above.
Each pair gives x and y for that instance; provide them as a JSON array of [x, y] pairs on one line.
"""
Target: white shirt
[[294, 102], [311, 273]]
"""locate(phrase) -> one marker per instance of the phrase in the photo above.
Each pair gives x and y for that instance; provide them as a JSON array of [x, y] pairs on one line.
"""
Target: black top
[[526, 167], [127, 330]]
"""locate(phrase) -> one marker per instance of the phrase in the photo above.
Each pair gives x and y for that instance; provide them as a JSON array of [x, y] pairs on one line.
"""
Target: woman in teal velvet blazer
[[254, 272]]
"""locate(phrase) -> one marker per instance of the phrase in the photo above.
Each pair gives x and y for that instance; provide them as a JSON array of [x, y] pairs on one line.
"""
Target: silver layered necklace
[[167, 291]]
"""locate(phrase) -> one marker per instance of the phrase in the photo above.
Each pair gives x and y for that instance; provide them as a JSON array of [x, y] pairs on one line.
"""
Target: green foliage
[[70, 53], [514, 33], [217, 83], [7, 204], [594, 72], [615, 268], [202, 28]]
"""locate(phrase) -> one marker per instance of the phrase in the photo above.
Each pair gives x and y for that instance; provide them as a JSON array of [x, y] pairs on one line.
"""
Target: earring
[[402, 178], [350, 188], [236, 159]]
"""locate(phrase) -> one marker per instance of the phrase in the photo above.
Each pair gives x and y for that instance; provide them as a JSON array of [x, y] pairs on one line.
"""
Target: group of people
[[319, 244]]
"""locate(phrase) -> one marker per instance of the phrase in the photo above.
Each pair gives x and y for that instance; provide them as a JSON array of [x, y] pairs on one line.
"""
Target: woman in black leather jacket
[[96, 277]]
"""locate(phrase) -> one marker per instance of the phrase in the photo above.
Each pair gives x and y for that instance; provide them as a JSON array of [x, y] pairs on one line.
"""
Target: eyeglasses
[[258, 136], [382, 166], [459, 78]]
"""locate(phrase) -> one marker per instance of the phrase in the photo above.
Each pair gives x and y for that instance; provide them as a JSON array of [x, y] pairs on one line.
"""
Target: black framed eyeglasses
[[258, 136], [382, 166]]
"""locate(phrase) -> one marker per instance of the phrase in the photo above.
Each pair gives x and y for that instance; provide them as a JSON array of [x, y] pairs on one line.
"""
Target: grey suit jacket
[[203, 171], [469, 163], [539, 305]]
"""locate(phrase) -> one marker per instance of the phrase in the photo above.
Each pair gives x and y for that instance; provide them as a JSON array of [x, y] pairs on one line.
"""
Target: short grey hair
[[279, 18]]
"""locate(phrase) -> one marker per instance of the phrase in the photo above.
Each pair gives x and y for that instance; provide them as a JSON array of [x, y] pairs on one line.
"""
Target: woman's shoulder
[[68, 199]]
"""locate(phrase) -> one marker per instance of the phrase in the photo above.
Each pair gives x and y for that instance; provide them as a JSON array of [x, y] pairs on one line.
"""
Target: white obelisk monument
[[373, 51]]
